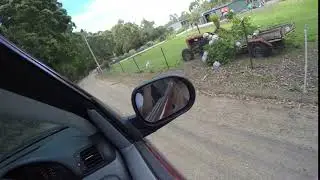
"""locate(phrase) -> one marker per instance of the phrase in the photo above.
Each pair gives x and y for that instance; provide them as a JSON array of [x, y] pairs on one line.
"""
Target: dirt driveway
[[224, 138]]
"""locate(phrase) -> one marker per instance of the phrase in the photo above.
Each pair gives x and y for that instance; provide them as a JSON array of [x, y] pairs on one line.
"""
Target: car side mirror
[[163, 99]]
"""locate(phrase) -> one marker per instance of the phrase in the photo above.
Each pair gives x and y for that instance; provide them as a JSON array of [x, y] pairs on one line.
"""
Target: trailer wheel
[[187, 55], [260, 50]]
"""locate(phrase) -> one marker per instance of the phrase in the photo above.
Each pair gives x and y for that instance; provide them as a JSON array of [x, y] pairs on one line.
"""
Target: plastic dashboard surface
[[66, 148]]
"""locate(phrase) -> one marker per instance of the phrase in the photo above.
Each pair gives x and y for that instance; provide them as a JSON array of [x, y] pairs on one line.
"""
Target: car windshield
[[253, 63]]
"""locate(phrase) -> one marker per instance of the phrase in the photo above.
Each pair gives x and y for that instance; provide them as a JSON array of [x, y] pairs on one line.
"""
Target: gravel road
[[223, 138]]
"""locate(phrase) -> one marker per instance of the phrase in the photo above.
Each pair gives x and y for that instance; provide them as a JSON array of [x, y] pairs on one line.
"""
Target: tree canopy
[[45, 30]]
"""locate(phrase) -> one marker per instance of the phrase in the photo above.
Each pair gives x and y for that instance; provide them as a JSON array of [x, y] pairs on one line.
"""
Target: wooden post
[[94, 57], [165, 59], [136, 64], [246, 36], [305, 59]]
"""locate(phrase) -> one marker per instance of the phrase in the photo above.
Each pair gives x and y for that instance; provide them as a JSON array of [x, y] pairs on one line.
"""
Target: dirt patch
[[226, 138], [279, 77]]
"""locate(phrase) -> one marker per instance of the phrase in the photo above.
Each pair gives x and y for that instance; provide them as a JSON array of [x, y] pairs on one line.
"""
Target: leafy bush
[[141, 48], [125, 55], [132, 52], [171, 36], [230, 15], [215, 19], [149, 43], [121, 57], [222, 50], [114, 59], [162, 38], [237, 27]]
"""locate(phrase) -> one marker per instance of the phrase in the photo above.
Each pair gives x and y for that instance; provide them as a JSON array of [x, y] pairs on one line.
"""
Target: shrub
[[141, 48], [115, 59], [171, 36], [237, 27], [132, 52], [162, 38], [216, 20], [121, 57], [149, 43], [125, 55], [230, 15], [223, 50]]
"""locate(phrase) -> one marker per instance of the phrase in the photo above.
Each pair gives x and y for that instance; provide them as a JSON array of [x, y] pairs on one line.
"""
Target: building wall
[[238, 6], [176, 26]]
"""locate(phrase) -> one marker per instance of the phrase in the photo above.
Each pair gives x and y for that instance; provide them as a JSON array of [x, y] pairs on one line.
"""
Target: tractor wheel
[[260, 50], [187, 55]]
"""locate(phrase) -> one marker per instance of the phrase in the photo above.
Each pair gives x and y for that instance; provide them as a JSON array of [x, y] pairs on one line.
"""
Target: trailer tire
[[187, 55], [259, 50]]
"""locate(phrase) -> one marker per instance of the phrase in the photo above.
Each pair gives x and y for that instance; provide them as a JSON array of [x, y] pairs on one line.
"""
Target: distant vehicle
[[195, 45], [260, 43]]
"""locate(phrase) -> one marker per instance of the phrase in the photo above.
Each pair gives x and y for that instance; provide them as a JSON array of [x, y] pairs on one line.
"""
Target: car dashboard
[[66, 154]]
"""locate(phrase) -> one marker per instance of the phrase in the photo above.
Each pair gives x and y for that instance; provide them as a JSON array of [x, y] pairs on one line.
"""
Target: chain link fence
[[154, 60]]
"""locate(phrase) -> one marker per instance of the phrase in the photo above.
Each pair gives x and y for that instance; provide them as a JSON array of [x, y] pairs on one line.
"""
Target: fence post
[[246, 36], [121, 66], [305, 59], [165, 59], [136, 64]]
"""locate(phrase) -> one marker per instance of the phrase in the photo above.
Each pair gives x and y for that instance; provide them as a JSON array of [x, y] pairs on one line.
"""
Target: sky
[[100, 15]]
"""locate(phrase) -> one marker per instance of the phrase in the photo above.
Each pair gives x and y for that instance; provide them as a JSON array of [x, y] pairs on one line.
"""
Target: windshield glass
[[17, 133], [253, 63]]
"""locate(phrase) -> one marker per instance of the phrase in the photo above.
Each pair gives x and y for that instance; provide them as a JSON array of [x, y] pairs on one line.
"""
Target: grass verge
[[300, 12]]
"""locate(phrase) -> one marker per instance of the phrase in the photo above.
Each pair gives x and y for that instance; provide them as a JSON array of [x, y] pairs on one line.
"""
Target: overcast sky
[[95, 15]]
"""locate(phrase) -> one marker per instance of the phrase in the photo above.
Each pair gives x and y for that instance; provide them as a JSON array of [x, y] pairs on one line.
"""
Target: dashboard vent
[[91, 159]]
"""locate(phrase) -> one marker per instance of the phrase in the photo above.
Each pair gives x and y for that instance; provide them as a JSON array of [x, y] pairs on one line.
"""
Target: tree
[[127, 36], [196, 10], [39, 27], [184, 16], [219, 2], [147, 31], [207, 5], [161, 32], [193, 5], [195, 16], [102, 44], [174, 18], [44, 29]]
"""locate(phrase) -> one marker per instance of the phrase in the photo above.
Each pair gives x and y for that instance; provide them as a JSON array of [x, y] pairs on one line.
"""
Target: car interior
[[82, 138], [74, 149]]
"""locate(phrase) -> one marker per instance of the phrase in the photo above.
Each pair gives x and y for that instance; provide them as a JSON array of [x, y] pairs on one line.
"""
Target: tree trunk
[[198, 28]]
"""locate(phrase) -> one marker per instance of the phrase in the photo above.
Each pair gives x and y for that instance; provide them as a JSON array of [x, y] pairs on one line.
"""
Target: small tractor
[[260, 43], [195, 46]]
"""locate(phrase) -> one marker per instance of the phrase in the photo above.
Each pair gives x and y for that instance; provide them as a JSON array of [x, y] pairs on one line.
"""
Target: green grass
[[172, 50], [300, 12]]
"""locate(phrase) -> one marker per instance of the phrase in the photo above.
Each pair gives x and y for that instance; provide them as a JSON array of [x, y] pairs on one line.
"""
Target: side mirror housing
[[159, 101]]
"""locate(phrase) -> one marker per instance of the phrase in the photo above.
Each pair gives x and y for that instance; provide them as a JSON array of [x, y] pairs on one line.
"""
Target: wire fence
[[154, 60]]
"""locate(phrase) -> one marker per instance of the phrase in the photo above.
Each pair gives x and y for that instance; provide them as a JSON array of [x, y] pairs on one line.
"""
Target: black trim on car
[[22, 74]]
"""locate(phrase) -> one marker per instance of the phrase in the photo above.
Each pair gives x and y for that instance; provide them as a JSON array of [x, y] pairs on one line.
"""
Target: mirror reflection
[[161, 98]]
